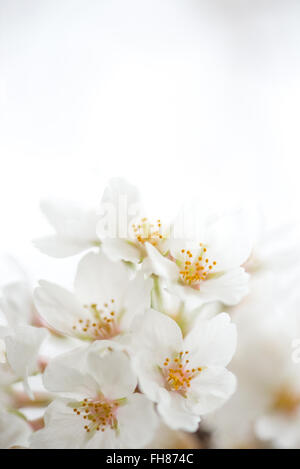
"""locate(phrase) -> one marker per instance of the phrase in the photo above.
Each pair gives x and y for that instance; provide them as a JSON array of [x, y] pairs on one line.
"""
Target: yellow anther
[[178, 377]]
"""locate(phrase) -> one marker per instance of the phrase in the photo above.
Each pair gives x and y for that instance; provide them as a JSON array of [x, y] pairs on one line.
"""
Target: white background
[[186, 98]]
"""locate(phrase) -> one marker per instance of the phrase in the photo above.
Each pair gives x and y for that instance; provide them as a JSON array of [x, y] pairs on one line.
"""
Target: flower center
[[178, 374], [194, 269], [146, 232], [286, 401], [98, 414], [101, 324]]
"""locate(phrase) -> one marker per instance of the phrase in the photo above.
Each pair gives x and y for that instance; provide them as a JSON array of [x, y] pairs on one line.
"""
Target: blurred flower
[[17, 304], [22, 340], [267, 397], [22, 348]]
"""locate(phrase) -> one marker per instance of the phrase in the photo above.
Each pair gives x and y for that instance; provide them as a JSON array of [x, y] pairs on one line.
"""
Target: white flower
[[99, 408], [186, 377], [266, 405], [122, 227], [279, 419], [14, 431], [275, 247], [204, 271], [75, 229], [105, 300], [21, 341], [22, 348], [283, 429]]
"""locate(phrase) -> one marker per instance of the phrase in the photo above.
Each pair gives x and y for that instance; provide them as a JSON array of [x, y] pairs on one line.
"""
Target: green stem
[[156, 294]]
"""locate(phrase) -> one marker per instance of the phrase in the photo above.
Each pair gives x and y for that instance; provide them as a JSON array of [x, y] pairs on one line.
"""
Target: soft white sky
[[186, 98]]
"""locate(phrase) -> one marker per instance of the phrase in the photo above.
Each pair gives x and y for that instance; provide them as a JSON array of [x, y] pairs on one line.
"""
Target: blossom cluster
[[141, 342], [265, 410]]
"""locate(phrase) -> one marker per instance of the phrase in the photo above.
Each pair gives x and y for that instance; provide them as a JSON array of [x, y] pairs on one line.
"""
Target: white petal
[[22, 349], [150, 378], [175, 412], [210, 390], [12, 271], [212, 342], [67, 373], [58, 246], [98, 280], [229, 288], [75, 229], [58, 307], [63, 429], [103, 440], [7, 376], [118, 249], [5, 331], [113, 373], [14, 431], [158, 264], [137, 299], [124, 199], [16, 303], [191, 297], [158, 335], [137, 421], [228, 240], [71, 221]]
